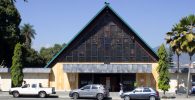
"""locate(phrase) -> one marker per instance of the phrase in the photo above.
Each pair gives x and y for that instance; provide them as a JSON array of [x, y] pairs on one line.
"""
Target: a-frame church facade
[[106, 51]]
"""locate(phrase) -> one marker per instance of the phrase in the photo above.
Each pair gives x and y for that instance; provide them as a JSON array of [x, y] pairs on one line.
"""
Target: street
[[64, 96], [35, 98], [5, 96], [56, 98]]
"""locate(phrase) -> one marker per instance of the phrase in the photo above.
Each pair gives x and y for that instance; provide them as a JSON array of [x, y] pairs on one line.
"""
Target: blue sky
[[58, 21]]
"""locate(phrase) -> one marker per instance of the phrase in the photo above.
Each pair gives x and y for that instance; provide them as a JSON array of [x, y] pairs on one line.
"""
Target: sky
[[58, 21]]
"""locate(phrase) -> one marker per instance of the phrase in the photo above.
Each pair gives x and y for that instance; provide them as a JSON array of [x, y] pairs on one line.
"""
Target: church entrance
[[110, 81]]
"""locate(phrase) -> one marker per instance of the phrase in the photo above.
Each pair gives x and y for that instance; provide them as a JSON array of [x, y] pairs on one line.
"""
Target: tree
[[9, 30], [48, 53], [15, 1], [188, 40], [28, 33], [162, 69], [32, 58], [17, 66], [172, 39]]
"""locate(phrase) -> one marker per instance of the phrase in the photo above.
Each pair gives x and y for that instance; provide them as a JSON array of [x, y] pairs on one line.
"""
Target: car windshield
[[40, 85], [86, 87]]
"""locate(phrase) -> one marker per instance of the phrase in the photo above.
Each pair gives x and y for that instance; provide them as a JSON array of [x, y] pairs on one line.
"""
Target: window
[[107, 40], [94, 50], [132, 46], [107, 43], [34, 85], [119, 30], [40, 85], [25, 86], [137, 90], [147, 90], [118, 40], [193, 80], [86, 87], [94, 87], [113, 28]]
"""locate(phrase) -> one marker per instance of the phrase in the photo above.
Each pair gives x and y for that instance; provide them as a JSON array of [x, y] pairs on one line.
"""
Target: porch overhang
[[29, 70], [107, 68], [182, 70]]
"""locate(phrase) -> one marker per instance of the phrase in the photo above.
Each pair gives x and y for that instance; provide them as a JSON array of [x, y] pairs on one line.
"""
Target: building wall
[[5, 82], [71, 81], [145, 79], [57, 76], [37, 78], [67, 81], [182, 82], [155, 75], [148, 79]]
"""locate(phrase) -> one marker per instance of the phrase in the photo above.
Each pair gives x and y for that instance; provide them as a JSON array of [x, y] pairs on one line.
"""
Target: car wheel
[[127, 98], [16, 94], [42, 94], [100, 96], [75, 96], [152, 98]]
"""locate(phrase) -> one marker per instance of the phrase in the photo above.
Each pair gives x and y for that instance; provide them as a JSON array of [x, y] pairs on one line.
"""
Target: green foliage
[[136, 84], [187, 36], [17, 66], [187, 39], [28, 33], [48, 53], [9, 30], [162, 69], [173, 39], [182, 39], [32, 58]]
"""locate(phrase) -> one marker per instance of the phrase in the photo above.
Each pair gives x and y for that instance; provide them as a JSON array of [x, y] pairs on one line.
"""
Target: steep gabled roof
[[106, 7]]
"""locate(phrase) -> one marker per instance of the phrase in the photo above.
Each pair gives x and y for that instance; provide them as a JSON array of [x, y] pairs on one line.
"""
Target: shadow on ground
[[109, 98], [31, 96]]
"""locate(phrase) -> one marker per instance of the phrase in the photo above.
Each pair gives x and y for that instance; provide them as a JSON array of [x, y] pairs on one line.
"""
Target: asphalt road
[[62, 96], [37, 98]]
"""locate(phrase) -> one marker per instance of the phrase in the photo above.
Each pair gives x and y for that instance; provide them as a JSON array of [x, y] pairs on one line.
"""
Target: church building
[[106, 51]]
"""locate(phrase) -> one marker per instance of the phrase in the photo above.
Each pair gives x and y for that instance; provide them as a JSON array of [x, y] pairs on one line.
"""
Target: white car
[[31, 89]]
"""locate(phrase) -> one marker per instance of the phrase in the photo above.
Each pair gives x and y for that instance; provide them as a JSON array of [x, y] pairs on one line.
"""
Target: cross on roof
[[106, 3]]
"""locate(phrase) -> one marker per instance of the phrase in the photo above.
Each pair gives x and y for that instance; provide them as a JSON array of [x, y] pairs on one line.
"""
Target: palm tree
[[172, 39], [188, 40], [15, 1], [29, 33]]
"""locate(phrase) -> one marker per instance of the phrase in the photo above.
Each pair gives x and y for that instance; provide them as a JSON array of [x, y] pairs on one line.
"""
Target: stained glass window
[[108, 42]]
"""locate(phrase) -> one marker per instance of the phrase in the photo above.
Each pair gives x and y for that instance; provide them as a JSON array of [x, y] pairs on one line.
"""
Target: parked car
[[192, 90], [141, 93], [32, 89], [90, 91]]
